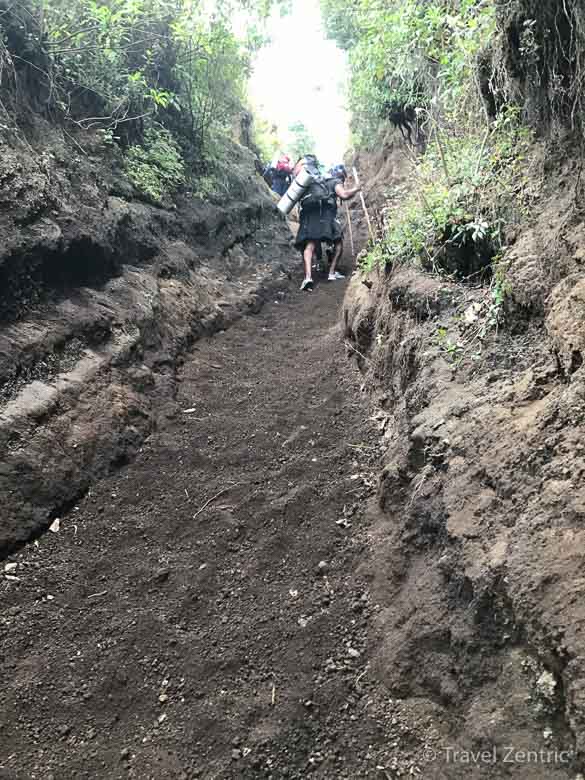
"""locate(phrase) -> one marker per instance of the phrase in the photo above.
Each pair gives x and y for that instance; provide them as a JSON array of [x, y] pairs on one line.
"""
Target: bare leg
[[310, 249], [318, 255], [337, 251]]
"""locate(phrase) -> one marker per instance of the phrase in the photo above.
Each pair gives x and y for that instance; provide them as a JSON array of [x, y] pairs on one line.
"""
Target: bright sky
[[300, 76]]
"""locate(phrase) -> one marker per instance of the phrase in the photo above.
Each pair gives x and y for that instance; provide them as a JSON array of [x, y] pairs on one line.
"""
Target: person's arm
[[344, 194]]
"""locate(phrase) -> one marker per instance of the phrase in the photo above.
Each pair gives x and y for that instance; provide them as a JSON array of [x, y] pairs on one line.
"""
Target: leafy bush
[[227, 173], [130, 67], [155, 167], [436, 56], [408, 52], [466, 189], [138, 60], [266, 137]]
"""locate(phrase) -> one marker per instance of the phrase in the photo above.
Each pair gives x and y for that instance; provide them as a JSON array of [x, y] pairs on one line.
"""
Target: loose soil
[[198, 614]]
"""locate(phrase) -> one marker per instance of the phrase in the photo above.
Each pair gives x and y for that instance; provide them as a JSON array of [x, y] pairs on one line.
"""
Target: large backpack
[[321, 191], [322, 188]]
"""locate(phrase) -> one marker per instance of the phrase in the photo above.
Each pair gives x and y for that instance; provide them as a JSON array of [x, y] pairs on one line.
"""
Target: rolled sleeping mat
[[299, 186]]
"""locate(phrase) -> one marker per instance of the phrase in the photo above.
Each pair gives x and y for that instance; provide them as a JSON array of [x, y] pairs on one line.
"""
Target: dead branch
[[214, 498]]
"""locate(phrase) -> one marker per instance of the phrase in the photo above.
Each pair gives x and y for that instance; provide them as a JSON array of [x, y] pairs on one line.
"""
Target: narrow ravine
[[250, 533]]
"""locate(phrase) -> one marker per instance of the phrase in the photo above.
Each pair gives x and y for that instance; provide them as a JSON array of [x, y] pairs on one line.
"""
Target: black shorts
[[318, 224]]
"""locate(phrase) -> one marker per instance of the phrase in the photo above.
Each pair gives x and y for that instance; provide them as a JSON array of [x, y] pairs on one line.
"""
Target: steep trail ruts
[[199, 613]]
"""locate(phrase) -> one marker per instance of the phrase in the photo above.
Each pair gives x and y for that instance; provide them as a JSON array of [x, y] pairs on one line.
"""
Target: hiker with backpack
[[335, 250], [318, 217], [282, 174]]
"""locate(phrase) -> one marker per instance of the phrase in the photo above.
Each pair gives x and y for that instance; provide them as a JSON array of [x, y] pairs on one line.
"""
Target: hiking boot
[[307, 285], [335, 277]]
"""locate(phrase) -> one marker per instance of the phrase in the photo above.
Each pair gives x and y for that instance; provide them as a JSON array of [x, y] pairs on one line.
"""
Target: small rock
[[236, 754], [322, 568], [353, 653], [10, 567], [55, 526], [546, 685], [163, 698], [125, 754]]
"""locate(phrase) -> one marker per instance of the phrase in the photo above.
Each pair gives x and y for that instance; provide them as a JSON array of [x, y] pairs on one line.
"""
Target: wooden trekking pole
[[357, 181], [348, 216]]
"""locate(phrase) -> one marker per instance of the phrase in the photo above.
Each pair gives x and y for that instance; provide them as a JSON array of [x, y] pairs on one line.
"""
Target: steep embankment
[[478, 544], [100, 295]]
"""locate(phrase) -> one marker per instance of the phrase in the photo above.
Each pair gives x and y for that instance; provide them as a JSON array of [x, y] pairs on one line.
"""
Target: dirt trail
[[179, 623]]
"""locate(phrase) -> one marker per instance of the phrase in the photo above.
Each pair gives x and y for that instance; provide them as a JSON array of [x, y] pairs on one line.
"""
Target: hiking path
[[200, 612]]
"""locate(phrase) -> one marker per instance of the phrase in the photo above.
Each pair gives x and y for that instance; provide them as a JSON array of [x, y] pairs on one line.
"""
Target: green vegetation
[[266, 137], [164, 79], [408, 52], [440, 70], [155, 167], [467, 187], [302, 142]]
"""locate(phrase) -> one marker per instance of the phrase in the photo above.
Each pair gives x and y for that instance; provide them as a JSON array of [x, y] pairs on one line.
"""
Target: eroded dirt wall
[[478, 527], [100, 295]]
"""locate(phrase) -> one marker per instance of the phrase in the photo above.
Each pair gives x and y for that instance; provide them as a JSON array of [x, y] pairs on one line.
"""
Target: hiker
[[267, 174], [339, 173], [318, 218], [282, 175]]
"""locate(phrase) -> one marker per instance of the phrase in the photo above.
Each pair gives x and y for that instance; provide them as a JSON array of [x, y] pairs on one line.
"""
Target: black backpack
[[321, 191]]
